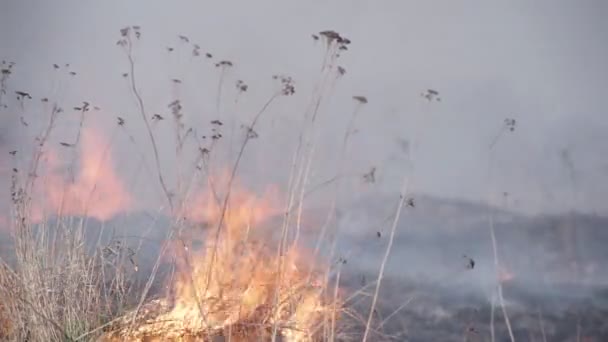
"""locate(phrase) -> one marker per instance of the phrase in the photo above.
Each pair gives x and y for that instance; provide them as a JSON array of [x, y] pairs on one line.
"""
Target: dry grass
[[60, 288], [7, 286]]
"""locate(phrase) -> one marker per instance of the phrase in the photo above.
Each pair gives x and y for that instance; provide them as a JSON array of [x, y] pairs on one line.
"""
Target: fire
[[246, 281], [239, 283], [246, 286], [96, 190]]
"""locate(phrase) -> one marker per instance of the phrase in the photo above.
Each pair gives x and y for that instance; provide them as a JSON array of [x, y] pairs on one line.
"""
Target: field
[[169, 221]]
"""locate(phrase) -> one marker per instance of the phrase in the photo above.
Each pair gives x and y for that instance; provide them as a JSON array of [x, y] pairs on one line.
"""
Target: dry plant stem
[[296, 182], [303, 194], [495, 245], [299, 181], [302, 182], [402, 197], [332, 335], [338, 183], [401, 307], [144, 117], [293, 184], [3, 87], [39, 151], [53, 323], [331, 217], [218, 99], [492, 314], [333, 204], [542, 325], [501, 298], [101, 163], [578, 330], [151, 278], [387, 253], [229, 188]]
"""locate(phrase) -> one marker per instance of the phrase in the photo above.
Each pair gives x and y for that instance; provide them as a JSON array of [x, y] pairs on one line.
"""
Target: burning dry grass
[[241, 284], [247, 289], [243, 290], [245, 282]]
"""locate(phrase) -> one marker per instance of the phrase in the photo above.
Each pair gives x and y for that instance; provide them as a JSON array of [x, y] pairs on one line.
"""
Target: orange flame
[[246, 280], [96, 191]]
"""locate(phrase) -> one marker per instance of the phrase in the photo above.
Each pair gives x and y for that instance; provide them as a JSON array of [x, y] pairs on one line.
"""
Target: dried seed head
[[360, 99], [224, 63], [431, 95]]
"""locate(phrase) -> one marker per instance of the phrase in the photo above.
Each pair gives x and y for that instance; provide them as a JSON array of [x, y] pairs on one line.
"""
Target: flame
[[96, 191], [239, 283], [245, 286]]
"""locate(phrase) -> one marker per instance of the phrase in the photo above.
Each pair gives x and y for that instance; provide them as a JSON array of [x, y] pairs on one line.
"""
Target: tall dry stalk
[[509, 125]]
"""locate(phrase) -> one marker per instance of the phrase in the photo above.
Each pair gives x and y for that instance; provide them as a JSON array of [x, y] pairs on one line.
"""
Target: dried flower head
[[431, 95], [287, 84], [241, 86], [510, 124], [360, 99], [410, 202], [370, 177], [224, 63], [23, 95], [332, 37]]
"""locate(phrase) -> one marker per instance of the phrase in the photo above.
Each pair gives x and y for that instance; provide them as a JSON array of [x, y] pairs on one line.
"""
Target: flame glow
[[246, 287], [96, 191], [238, 283]]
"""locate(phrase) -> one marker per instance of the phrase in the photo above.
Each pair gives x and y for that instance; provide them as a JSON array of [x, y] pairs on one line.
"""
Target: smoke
[[488, 64]]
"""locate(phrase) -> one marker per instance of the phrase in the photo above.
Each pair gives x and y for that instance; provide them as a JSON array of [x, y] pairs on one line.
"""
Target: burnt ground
[[418, 311], [554, 269]]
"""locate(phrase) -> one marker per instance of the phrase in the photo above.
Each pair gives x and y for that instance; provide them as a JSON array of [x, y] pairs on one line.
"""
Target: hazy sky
[[540, 62]]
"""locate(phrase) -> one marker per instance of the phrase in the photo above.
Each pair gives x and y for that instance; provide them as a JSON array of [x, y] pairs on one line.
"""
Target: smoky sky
[[541, 63]]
